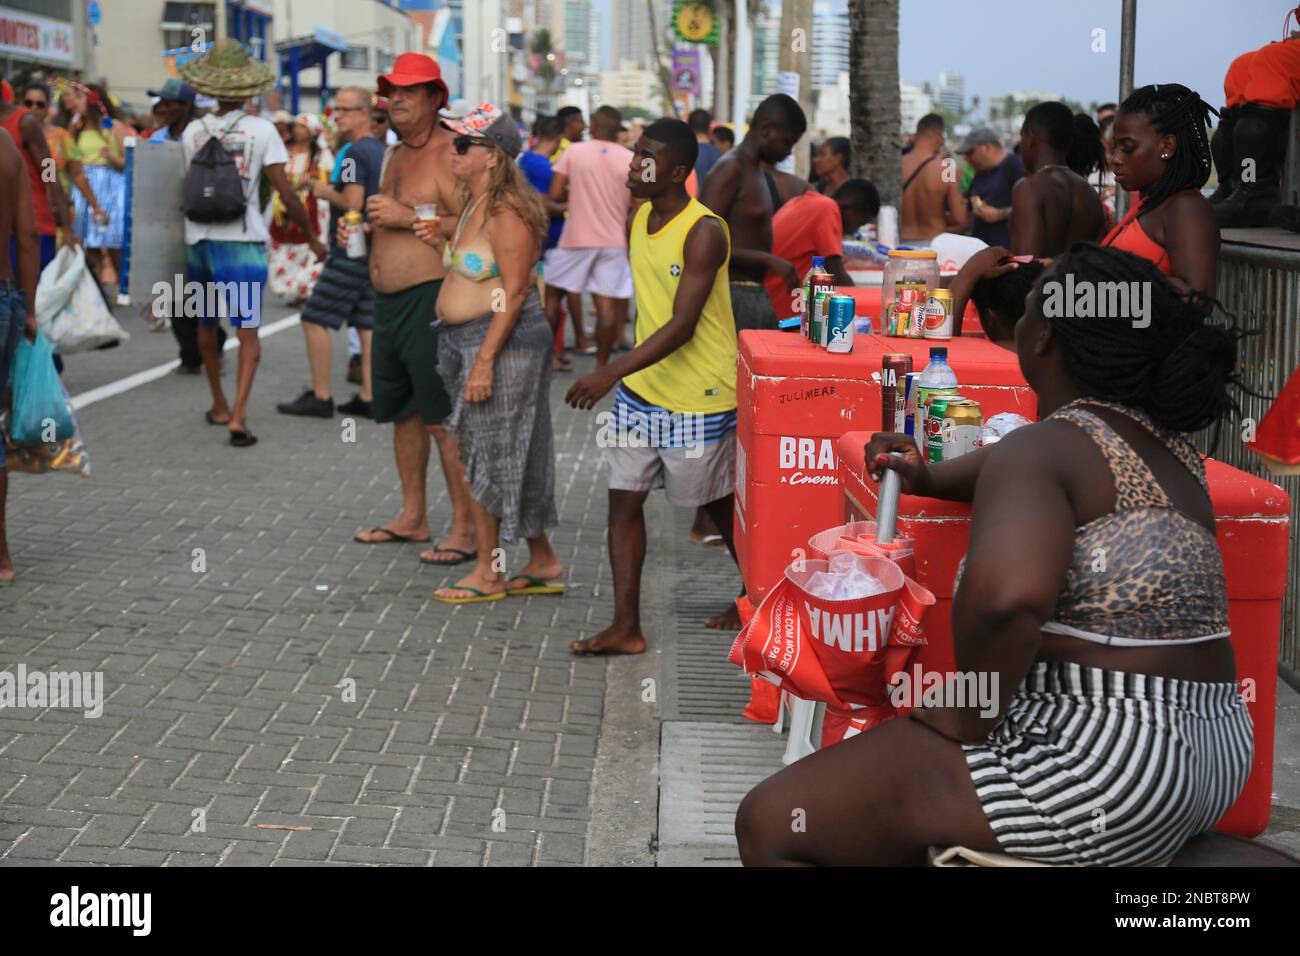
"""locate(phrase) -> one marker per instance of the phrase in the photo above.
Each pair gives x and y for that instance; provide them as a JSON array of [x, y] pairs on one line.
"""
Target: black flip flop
[[213, 421], [242, 439], [393, 537], [465, 556]]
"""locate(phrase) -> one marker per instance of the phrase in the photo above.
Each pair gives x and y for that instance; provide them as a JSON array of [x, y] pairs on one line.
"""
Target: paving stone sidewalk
[[472, 734]]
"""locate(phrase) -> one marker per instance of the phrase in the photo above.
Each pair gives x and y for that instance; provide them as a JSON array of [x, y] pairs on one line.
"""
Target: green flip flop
[[478, 597], [535, 586]]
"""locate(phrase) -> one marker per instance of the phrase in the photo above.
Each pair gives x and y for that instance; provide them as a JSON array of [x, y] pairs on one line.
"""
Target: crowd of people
[[480, 246]]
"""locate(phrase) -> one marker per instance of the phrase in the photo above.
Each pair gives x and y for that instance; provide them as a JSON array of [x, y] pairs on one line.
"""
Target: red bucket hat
[[412, 69]]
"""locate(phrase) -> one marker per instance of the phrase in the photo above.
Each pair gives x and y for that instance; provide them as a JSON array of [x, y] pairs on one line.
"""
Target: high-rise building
[[952, 92], [830, 44], [913, 103], [630, 33], [767, 58], [575, 39]]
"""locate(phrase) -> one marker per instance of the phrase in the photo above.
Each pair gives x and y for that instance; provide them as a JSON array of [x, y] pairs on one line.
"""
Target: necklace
[[432, 129]]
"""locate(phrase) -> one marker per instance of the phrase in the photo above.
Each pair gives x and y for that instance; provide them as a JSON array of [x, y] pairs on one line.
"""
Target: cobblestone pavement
[[472, 735], [230, 734]]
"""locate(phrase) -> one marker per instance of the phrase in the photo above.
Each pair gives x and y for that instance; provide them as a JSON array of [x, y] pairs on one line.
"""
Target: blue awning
[[312, 50]]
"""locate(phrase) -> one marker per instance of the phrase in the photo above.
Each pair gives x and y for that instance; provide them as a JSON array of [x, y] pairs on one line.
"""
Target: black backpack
[[213, 190]]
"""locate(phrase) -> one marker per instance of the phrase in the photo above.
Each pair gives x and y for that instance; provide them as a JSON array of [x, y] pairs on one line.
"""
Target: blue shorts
[[230, 278]]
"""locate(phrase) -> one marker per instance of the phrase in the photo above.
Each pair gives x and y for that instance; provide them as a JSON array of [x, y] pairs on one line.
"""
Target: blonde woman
[[494, 354]]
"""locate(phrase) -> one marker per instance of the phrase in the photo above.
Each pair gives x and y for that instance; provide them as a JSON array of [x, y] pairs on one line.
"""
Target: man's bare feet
[[612, 640], [728, 620]]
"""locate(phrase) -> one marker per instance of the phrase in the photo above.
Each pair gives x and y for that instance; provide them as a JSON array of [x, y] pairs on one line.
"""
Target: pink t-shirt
[[598, 195]]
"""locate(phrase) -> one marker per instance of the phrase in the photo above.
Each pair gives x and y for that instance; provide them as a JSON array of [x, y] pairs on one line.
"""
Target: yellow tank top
[[701, 375], [91, 141]]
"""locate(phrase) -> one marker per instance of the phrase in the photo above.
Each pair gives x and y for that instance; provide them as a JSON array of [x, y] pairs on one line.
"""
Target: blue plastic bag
[[40, 413]]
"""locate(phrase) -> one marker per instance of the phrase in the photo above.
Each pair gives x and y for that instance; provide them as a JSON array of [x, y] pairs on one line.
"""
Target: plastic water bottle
[[937, 378]]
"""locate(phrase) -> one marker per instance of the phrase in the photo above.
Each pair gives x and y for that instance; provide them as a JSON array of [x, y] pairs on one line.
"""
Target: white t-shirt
[[253, 143]]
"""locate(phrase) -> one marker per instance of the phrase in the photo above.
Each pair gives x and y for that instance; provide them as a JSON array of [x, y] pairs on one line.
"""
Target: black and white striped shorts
[[1103, 768]]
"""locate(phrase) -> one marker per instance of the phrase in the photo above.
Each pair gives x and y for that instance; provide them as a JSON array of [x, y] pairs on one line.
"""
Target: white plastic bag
[[70, 310]]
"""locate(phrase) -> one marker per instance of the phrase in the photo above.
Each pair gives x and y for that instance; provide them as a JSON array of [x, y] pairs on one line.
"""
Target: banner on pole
[[686, 71]]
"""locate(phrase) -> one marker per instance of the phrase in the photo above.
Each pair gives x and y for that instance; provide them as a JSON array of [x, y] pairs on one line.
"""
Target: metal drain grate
[[701, 684], [706, 768]]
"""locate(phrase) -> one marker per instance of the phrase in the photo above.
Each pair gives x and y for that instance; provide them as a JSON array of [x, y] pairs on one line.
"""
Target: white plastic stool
[[803, 715]]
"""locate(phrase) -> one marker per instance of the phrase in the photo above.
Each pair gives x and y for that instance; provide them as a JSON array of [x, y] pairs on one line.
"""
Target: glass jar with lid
[[915, 267]]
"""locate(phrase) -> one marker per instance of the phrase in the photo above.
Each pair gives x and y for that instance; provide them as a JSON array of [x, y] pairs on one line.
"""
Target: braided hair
[[1180, 369], [1177, 111]]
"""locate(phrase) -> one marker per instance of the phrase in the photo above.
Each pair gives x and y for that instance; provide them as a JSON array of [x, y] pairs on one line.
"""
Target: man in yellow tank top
[[673, 424]]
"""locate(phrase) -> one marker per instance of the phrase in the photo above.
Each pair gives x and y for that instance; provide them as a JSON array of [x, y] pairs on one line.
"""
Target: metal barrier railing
[[1261, 287]]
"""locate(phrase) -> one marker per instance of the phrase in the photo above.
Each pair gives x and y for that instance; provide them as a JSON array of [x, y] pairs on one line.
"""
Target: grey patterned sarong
[[506, 442]]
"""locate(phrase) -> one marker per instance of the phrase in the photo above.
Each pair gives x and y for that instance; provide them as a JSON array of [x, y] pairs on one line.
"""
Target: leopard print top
[[1146, 571]]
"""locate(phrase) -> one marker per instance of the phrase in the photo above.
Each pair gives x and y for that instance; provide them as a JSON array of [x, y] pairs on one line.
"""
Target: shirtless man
[[407, 275], [932, 200], [1053, 206], [17, 294], [740, 191]]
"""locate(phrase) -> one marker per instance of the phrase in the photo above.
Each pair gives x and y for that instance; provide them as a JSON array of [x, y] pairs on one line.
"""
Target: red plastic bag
[[841, 653]]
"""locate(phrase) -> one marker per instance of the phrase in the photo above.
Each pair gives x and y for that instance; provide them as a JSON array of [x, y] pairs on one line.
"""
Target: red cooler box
[[794, 402], [1253, 518]]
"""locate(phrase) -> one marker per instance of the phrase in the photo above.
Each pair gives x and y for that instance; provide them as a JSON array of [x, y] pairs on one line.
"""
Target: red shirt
[[40, 201], [806, 226]]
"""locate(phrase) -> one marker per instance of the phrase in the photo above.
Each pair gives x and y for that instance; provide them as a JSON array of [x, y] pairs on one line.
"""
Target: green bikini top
[[471, 265]]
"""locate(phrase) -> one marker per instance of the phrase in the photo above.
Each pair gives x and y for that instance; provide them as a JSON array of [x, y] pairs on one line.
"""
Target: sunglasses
[[461, 144], [378, 118], [35, 104]]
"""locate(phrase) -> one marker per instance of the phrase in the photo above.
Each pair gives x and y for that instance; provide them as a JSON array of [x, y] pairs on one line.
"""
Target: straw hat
[[227, 72]]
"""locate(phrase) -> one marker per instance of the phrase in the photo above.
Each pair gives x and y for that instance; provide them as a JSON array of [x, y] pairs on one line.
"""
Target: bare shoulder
[[1190, 209]]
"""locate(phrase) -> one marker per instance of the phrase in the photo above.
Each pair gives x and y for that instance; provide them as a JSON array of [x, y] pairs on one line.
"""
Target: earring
[[1164, 155]]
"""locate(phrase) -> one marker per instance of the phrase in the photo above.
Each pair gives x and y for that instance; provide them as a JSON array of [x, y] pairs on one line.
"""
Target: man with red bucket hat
[[407, 275]]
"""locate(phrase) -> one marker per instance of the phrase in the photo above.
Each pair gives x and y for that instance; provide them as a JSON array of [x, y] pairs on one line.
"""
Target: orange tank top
[[1131, 237], [40, 201]]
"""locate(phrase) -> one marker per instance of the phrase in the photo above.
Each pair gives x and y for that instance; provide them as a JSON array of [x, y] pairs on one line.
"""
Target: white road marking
[[158, 371]]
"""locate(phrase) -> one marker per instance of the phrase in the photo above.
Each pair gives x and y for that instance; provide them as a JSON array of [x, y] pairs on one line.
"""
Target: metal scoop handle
[[891, 486]]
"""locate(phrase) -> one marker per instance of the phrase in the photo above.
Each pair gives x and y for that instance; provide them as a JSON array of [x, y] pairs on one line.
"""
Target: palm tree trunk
[[874, 118], [665, 74]]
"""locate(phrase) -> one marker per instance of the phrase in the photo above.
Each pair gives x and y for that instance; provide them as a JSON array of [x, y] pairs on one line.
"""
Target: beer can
[[893, 366], [356, 247], [953, 427], [839, 323], [933, 427], [908, 410], [938, 315]]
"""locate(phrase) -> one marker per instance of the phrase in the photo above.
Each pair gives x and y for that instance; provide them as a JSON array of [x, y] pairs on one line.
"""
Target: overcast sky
[[1004, 45], [1047, 44]]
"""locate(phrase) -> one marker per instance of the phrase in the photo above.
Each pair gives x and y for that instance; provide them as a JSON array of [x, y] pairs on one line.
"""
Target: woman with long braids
[[1162, 152], [1092, 590]]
